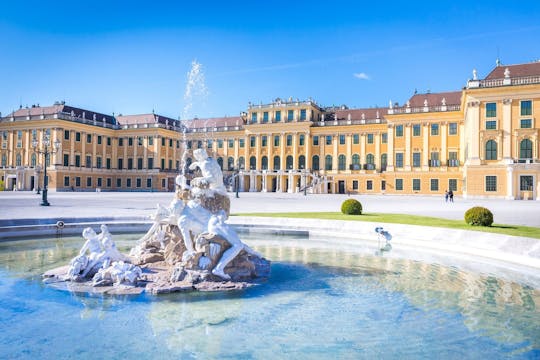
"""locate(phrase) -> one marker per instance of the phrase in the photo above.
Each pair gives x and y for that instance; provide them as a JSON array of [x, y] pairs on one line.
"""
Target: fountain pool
[[320, 302]]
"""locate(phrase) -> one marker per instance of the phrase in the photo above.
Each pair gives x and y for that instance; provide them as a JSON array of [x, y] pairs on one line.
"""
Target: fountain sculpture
[[188, 247]]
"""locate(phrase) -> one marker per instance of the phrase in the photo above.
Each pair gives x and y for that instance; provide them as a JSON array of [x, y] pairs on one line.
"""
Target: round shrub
[[479, 216], [351, 207]]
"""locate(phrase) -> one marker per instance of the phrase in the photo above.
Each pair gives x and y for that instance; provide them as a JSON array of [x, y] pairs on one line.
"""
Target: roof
[[356, 114], [62, 108], [434, 99], [145, 119], [518, 70], [213, 122]]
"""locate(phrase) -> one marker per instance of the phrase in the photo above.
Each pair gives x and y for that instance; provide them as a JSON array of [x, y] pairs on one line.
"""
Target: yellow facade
[[482, 141]]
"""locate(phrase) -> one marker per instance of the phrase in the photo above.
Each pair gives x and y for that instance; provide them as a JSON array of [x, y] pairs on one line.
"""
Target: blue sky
[[131, 57]]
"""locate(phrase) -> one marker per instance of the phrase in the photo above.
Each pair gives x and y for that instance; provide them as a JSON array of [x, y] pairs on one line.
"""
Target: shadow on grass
[[503, 227]]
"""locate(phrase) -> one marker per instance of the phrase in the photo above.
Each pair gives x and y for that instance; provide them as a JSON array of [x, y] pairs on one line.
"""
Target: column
[[295, 150], [472, 132], [27, 147], [407, 155], [425, 147], [71, 148], [461, 144], [506, 127], [258, 153], [145, 153], [510, 183], [363, 148], [335, 152], [348, 155], [83, 151], [282, 152], [390, 147], [377, 150], [252, 181], [94, 147], [444, 140], [307, 150]]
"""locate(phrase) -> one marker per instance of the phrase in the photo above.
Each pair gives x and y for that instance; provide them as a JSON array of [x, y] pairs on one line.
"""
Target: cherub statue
[[212, 177]]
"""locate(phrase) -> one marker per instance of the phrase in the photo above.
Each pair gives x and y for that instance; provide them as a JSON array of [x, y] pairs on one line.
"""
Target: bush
[[479, 216], [351, 207]]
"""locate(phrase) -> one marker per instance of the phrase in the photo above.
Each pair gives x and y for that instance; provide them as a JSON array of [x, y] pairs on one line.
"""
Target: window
[[88, 181], [99, 139], [33, 160], [277, 164], [220, 144], [209, 143], [434, 129], [453, 159], [399, 130], [66, 134], [434, 185], [356, 139], [230, 143], [162, 141], [264, 141], [77, 136], [384, 138], [98, 162], [88, 161], [77, 181], [150, 163], [315, 141], [491, 110], [399, 160], [278, 116], [289, 140], [526, 107], [290, 115], [170, 164], [355, 162], [264, 163], [109, 182], [130, 141], [416, 184], [119, 182], [99, 182], [108, 163], [78, 160], [265, 117], [434, 162], [315, 162], [302, 140], [370, 162], [66, 159], [491, 183], [452, 129], [416, 130], [120, 141], [491, 124], [148, 182], [130, 164], [289, 162], [328, 140], [341, 162], [303, 116], [252, 141], [491, 150], [525, 123], [139, 163], [370, 138], [355, 185], [416, 159], [242, 143], [128, 182], [276, 140], [109, 141], [341, 139], [302, 162], [66, 180], [171, 143], [383, 185], [120, 164], [253, 118], [384, 161], [525, 183], [88, 138], [252, 162], [328, 162], [525, 149], [452, 184], [4, 160], [140, 140], [399, 184], [369, 185], [138, 182]]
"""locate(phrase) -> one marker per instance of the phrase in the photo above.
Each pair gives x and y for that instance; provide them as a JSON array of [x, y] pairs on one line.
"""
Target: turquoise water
[[318, 304]]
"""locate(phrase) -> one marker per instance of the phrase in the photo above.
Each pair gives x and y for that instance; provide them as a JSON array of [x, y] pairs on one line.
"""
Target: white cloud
[[361, 76]]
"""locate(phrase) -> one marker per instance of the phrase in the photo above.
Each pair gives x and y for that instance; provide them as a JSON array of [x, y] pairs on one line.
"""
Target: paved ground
[[25, 205]]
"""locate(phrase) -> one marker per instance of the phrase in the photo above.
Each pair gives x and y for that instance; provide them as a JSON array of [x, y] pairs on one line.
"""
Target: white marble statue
[[383, 236], [119, 272], [212, 177]]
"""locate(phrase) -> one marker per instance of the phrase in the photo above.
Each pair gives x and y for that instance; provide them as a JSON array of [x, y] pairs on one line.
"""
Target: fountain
[[188, 247]]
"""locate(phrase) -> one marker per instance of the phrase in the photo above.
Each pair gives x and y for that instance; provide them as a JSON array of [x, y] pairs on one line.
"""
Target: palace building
[[481, 141]]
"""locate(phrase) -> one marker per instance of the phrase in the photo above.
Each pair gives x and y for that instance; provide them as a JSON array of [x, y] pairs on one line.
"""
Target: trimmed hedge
[[351, 207], [479, 216]]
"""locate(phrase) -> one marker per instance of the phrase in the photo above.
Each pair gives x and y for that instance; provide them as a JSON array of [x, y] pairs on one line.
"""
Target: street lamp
[[304, 173], [237, 179], [46, 152]]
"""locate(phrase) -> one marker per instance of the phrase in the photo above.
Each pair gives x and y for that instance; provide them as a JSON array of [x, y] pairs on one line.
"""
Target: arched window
[[264, 163], [525, 149], [241, 162], [341, 162], [220, 162], [277, 165], [289, 161], [384, 161], [315, 162], [370, 159], [328, 162], [302, 162], [252, 163], [18, 161], [491, 150], [230, 163], [33, 161], [356, 159], [4, 160]]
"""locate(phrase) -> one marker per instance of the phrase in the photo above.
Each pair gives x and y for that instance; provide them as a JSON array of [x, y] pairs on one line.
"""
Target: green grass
[[514, 230]]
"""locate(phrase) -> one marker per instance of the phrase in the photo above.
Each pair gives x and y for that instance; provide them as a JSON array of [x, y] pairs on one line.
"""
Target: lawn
[[514, 230]]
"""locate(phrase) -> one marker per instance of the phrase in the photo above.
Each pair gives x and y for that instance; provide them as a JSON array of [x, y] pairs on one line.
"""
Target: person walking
[[446, 195], [451, 195]]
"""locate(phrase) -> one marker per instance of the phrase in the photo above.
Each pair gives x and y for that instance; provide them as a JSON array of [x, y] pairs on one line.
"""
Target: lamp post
[[46, 152], [237, 178]]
